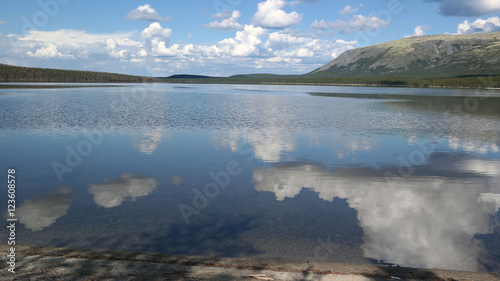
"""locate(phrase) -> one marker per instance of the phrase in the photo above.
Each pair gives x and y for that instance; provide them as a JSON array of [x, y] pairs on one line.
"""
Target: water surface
[[345, 174]]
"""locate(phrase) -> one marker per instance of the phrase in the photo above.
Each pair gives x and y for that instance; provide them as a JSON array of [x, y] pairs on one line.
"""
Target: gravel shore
[[48, 263]]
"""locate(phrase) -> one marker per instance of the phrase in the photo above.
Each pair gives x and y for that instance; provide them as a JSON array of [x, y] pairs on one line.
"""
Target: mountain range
[[429, 56]]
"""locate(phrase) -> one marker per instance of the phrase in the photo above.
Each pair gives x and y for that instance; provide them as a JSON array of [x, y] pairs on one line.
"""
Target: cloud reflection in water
[[430, 220], [114, 191], [38, 213]]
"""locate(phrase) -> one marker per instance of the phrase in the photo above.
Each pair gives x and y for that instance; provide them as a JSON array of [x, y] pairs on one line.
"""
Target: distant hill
[[423, 56], [263, 76], [186, 76], [9, 73]]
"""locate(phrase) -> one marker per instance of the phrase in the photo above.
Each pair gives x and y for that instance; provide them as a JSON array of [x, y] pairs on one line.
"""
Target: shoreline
[[39, 85], [73, 264]]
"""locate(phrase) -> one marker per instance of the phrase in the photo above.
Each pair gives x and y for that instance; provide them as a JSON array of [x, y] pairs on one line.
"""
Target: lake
[[392, 176]]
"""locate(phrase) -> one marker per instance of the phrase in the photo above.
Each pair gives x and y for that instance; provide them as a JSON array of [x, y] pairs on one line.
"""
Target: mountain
[[429, 56], [186, 76], [9, 73]]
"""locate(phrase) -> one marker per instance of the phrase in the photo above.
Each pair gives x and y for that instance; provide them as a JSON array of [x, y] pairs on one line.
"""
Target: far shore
[[60, 85]]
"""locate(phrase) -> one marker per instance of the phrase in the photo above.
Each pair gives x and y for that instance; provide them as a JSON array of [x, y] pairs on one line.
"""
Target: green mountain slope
[[435, 55]]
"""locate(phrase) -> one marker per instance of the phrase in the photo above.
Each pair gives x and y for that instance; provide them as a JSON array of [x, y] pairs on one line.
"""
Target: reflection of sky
[[149, 140], [479, 146], [114, 191], [38, 213], [183, 133], [268, 145], [424, 221]]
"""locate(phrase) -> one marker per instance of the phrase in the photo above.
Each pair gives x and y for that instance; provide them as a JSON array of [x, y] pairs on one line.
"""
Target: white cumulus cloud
[[348, 10], [229, 23], [71, 44], [155, 30], [419, 31], [145, 12], [245, 42], [270, 14], [48, 52], [479, 26]]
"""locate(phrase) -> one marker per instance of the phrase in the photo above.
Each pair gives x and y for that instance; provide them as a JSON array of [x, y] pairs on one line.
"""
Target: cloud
[[149, 141], [221, 16], [245, 42], [249, 48], [230, 23], [268, 145], [419, 31], [270, 14], [49, 51], [155, 30], [347, 10], [37, 214], [145, 12], [71, 44], [297, 49], [432, 221], [479, 26], [157, 39], [74, 38], [114, 191], [467, 8], [3, 21], [356, 23], [252, 47]]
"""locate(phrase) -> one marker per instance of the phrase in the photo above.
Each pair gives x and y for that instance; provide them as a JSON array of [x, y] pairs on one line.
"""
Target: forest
[[468, 81], [9, 73]]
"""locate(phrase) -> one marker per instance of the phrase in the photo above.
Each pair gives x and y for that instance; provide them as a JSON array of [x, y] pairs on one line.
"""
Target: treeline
[[10, 73], [478, 81]]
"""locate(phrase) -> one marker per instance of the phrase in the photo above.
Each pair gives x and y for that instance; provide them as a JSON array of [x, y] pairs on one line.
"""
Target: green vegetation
[[451, 82], [52, 86], [10, 73], [424, 56]]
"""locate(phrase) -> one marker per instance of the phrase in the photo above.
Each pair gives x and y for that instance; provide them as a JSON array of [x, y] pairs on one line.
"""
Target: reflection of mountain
[[480, 106], [39, 213], [472, 123], [116, 190], [148, 141], [428, 220]]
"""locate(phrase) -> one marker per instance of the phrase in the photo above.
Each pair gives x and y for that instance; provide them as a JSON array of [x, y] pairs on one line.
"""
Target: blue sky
[[220, 37]]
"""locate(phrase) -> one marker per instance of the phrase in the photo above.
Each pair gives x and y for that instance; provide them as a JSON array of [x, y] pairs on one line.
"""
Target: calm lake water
[[317, 173]]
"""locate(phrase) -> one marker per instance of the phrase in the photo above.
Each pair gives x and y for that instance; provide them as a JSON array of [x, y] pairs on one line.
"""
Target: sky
[[220, 37]]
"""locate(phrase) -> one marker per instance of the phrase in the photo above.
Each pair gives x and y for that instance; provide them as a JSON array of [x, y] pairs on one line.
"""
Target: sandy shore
[[47, 263]]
